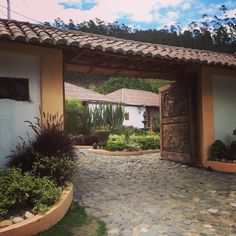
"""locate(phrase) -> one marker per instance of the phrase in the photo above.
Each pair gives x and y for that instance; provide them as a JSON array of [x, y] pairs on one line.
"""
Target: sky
[[141, 14]]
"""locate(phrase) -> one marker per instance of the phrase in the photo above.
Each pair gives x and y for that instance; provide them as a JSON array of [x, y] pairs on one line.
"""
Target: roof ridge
[[111, 37], [48, 36]]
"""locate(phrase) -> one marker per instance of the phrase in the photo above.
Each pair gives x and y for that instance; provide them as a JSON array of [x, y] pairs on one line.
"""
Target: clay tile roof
[[83, 94], [48, 36], [134, 97]]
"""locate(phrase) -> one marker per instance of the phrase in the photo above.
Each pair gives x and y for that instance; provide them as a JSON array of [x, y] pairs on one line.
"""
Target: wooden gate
[[178, 139]]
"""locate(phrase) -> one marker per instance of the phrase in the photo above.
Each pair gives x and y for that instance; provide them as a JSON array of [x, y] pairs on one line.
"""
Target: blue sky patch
[[84, 5]]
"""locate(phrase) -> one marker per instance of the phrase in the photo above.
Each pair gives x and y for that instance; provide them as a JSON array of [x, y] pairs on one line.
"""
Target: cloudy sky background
[[139, 13]]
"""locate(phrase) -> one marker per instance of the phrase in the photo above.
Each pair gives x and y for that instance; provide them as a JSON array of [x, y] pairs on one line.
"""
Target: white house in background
[[136, 102], [139, 106]]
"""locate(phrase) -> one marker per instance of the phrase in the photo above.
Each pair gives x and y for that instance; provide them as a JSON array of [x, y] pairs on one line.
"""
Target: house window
[[14, 88], [126, 115]]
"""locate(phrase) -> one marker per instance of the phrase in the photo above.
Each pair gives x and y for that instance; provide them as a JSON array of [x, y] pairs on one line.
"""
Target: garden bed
[[122, 153], [229, 167], [39, 223]]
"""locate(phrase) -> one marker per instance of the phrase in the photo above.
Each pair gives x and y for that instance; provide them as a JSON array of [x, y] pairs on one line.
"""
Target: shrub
[[50, 140], [88, 139], [72, 116], [17, 189], [134, 143], [218, 150], [102, 135], [130, 130], [133, 147], [78, 117], [115, 145], [59, 170], [146, 141], [107, 116]]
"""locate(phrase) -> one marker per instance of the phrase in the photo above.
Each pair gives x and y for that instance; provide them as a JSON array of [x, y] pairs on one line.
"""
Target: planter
[[229, 167], [39, 223], [122, 153]]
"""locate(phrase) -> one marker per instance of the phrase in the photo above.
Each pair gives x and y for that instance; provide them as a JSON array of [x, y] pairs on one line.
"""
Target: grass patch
[[77, 223]]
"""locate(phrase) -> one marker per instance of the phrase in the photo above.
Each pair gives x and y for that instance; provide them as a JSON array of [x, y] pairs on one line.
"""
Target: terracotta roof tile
[[134, 97], [83, 94], [47, 35]]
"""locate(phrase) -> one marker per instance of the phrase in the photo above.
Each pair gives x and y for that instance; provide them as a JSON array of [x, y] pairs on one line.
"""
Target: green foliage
[[219, 34], [113, 115], [146, 141], [128, 130], [134, 143], [77, 117], [73, 109], [218, 150], [156, 123], [108, 116], [74, 219], [234, 132], [116, 143], [17, 189], [97, 116], [132, 146], [102, 135], [59, 170], [115, 83], [50, 140]]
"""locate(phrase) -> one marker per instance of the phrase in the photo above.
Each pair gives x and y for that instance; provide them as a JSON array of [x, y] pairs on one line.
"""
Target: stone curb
[[39, 223], [122, 153]]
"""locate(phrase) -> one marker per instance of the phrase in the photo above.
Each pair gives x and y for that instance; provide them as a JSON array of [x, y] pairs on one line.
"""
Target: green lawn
[[77, 223]]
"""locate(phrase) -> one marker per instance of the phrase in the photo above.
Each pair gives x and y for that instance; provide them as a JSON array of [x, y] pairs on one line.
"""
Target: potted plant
[[233, 146], [218, 150]]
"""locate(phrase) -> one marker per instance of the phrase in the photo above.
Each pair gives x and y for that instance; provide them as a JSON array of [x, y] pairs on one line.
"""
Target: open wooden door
[[178, 139]]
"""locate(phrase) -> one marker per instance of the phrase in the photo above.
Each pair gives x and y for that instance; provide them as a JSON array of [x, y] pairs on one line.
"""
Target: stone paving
[[147, 196]]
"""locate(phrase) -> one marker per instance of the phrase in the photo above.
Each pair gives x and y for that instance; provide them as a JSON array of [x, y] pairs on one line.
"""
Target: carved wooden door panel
[[177, 123]]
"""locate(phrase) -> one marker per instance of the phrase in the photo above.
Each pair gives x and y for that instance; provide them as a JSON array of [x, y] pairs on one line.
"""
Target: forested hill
[[217, 33]]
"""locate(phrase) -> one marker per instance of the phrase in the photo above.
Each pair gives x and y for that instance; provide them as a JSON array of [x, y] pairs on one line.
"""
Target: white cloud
[[108, 10], [186, 5]]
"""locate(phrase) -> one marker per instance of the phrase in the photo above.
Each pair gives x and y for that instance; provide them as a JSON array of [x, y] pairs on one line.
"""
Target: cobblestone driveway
[[147, 196]]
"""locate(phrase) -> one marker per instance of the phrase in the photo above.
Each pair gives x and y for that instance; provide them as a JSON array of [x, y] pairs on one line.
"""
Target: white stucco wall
[[135, 115], [14, 113], [224, 103]]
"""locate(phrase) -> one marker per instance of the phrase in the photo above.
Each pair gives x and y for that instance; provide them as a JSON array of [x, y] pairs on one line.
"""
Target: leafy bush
[[88, 139], [72, 116], [146, 141], [115, 145], [51, 153], [135, 142], [107, 116], [129, 130], [218, 150], [59, 170], [102, 135], [51, 140], [78, 118], [133, 147], [17, 189]]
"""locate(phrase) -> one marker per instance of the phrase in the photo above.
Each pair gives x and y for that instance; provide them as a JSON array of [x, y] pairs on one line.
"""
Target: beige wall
[[206, 108], [51, 74]]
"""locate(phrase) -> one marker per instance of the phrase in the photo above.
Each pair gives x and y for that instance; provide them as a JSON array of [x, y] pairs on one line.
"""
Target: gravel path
[[147, 196]]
